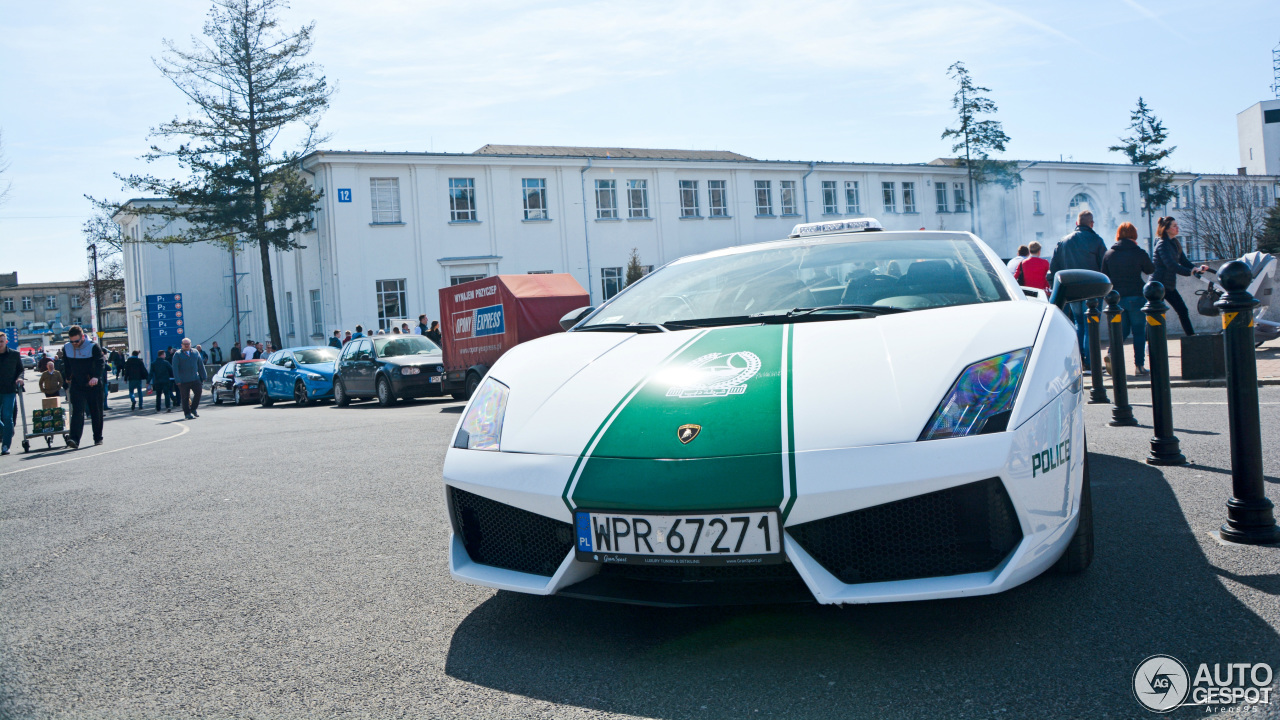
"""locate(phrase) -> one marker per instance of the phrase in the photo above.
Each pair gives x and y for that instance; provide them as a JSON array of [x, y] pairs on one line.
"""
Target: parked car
[[302, 374], [237, 382], [388, 367]]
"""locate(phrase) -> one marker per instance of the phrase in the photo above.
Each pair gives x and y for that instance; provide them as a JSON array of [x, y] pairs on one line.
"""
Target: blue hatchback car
[[301, 374]]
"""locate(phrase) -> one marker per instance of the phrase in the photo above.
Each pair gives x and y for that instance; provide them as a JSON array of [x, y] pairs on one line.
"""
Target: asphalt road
[[290, 562]]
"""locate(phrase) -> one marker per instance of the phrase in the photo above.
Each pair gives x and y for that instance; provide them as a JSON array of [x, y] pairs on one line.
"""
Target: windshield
[[891, 273], [315, 356], [249, 369], [404, 345]]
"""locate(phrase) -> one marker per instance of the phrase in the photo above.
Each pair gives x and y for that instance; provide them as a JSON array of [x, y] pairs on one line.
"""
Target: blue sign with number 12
[[344, 194]]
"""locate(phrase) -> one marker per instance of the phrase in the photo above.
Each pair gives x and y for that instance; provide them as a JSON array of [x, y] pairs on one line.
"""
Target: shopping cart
[[46, 434]]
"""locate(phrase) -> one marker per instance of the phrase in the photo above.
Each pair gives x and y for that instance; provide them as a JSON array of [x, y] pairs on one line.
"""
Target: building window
[[638, 198], [288, 303], [535, 198], [75, 301], [717, 198], [10, 323], [688, 198], [8, 304], [606, 200], [391, 302], [888, 193], [788, 192], [962, 203], [317, 315], [115, 298], [459, 279], [852, 201], [830, 205], [908, 197], [1204, 196], [1124, 202], [384, 193], [764, 198], [940, 195], [1035, 202], [51, 302], [26, 304], [462, 200], [610, 281]]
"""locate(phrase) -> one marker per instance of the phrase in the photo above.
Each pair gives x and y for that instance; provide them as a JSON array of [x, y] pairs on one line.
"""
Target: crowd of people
[[430, 330], [1124, 263]]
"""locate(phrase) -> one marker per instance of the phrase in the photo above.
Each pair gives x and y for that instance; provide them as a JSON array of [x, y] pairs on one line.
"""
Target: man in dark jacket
[[336, 340], [236, 353], [215, 353], [1125, 263], [161, 380], [135, 373], [188, 371], [11, 382], [1081, 250], [85, 368]]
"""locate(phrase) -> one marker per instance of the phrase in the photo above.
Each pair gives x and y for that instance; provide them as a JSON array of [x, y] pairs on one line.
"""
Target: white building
[[1258, 129], [395, 227]]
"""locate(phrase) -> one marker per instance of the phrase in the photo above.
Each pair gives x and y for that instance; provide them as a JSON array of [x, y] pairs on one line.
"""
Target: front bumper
[[420, 385], [893, 491], [318, 389]]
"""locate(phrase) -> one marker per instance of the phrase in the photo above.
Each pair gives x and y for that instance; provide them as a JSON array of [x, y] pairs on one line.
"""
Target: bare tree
[[1230, 218]]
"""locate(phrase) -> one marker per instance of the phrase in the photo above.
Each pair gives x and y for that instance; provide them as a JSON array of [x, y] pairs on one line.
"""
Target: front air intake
[[509, 538]]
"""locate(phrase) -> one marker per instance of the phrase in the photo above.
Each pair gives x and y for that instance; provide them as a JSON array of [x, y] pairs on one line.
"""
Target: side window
[[369, 350]]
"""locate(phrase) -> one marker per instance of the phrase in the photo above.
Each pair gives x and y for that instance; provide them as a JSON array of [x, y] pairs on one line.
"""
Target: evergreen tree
[[977, 138], [248, 84], [1143, 147], [635, 270], [1269, 240]]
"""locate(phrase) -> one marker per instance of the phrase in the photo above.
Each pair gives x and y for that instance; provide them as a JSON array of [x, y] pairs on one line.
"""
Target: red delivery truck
[[482, 319]]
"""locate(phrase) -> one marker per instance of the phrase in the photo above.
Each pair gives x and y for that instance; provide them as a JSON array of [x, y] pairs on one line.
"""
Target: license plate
[[730, 538], [436, 378]]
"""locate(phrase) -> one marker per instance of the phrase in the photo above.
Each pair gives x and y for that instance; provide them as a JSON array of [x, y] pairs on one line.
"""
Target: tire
[[340, 396], [386, 398], [473, 382], [1079, 553], [263, 397], [217, 397], [236, 398], [300, 394]]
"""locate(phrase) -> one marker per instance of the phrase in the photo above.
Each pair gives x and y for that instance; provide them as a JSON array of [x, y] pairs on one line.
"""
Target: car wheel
[[217, 397], [1079, 553], [237, 398], [340, 396], [385, 396], [473, 382], [263, 397], [300, 393]]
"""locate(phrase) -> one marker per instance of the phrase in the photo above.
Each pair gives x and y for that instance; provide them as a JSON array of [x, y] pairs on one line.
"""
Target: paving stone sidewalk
[[1268, 365]]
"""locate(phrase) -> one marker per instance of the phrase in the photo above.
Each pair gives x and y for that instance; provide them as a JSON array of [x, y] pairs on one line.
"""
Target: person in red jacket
[[1032, 271]]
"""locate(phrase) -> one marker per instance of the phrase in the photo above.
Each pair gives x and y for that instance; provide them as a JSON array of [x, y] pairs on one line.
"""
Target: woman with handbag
[[1124, 264], [1170, 262]]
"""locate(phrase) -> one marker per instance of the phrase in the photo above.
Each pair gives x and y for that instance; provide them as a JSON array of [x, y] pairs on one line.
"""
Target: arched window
[[1079, 202]]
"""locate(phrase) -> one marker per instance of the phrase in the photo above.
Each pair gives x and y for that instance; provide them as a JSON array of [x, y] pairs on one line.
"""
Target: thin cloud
[[1159, 20]]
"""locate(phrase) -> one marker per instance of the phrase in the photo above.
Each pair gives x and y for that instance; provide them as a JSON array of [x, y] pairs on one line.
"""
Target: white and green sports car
[[847, 415]]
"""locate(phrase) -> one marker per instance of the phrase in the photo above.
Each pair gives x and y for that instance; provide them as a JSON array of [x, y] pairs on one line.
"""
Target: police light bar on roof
[[839, 226]]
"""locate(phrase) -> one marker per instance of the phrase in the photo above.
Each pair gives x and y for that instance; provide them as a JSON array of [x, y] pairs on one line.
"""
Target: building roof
[[955, 162], [598, 152]]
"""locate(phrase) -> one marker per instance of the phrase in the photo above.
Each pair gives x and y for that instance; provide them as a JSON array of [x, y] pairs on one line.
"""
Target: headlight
[[482, 426], [410, 370], [981, 398], [313, 376]]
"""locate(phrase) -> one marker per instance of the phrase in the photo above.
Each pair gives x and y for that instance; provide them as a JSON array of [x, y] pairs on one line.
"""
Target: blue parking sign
[[12, 334]]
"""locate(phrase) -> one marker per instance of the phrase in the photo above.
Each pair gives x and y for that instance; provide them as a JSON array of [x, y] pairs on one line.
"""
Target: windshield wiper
[[870, 309], [635, 327]]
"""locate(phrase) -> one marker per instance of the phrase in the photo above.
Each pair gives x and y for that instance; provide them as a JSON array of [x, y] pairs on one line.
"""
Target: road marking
[[1199, 403], [182, 431]]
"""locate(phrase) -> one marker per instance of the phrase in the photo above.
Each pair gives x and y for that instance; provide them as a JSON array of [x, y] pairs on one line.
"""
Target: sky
[[850, 80]]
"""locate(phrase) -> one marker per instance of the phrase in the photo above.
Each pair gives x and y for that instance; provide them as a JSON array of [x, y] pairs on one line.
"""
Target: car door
[[364, 368], [271, 375], [288, 373], [222, 381]]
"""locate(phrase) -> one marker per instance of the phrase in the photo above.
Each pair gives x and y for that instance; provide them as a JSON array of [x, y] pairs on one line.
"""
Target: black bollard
[[1098, 393], [1122, 412], [1164, 444], [1250, 518]]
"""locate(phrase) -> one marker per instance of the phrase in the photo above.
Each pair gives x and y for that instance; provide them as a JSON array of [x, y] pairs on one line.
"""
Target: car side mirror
[[572, 317], [1075, 285]]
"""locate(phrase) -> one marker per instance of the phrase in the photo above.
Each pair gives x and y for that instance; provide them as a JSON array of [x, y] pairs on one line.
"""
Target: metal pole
[[235, 290], [97, 299], [1250, 518], [1122, 412], [1098, 393], [1164, 444]]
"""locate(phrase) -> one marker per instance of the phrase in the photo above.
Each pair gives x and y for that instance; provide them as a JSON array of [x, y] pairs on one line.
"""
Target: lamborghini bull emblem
[[687, 433], [716, 375]]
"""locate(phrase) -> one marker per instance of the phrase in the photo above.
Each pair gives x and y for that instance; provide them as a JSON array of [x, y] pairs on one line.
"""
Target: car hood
[[324, 368], [749, 390], [403, 360]]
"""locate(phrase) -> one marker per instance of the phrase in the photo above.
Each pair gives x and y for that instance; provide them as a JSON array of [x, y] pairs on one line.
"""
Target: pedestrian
[[359, 332], [336, 340], [106, 387], [1023, 253], [346, 338], [189, 373], [270, 348], [434, 333], [1170, 262], [60, 362], [117, 362], [50, 380], [85, 367], [215, 353], [1125, 263], [204, 356], [257, 350], [1081, 250], [135, 373], [236, 353], [1033, 270], [11, 383], [161, 380], [422, 325], [249, 351], [395, 330]]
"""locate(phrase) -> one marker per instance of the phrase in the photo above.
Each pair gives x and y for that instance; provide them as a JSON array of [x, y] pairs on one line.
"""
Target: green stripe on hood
[[729, 381]]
